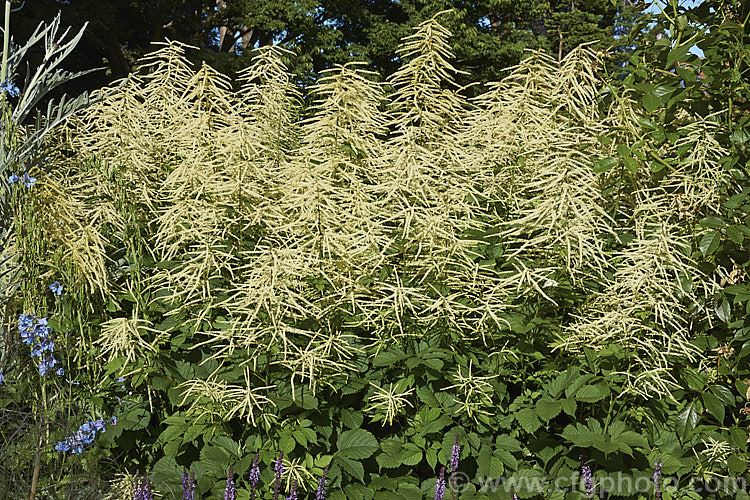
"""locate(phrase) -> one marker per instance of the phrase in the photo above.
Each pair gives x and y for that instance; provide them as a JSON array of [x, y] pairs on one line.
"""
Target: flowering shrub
[[551, 269]]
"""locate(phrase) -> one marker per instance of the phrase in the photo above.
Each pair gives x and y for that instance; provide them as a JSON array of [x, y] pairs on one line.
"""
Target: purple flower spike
[[588, 478], [657, 480], [293, 493], [321, 493], [254, 477], [278, 467], [188, 485], [229, 492], [455, 454], [440, 485], [142, 487]]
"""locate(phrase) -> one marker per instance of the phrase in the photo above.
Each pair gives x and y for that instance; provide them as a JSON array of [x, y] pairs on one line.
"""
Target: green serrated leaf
[[528, 420], [547, 409], [356, 444], [589, 394]]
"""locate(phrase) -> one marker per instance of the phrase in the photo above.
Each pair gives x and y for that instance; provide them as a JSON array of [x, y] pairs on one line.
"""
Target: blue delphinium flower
[[34, 331], [293, 493], [321, 493], [26, 328], [11, 89], [60, 372], [2, 377], [278, 468], [188, 485], [28, 180], [84, 436], [254, 477], [229, 491], [13, 178], [56, 288], [36, 350], [440, 485]]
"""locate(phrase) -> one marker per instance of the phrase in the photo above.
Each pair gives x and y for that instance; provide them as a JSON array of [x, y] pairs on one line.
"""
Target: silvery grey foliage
[[20, 117]]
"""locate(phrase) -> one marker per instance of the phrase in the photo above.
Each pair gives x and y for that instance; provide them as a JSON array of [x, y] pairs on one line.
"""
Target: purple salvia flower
[[440, 485], [321, 493], [147, 493], [278, 467], [136, 485], [188, 485], [588, 479], [293, 493], [229, 492], [254, 477], [455, 454], [657, 480]]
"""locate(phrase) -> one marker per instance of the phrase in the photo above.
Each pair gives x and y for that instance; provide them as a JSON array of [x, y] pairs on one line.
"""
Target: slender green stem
[[6, 42]]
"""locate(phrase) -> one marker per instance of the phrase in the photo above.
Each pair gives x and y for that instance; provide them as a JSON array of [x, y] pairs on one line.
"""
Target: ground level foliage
[[552, 270]]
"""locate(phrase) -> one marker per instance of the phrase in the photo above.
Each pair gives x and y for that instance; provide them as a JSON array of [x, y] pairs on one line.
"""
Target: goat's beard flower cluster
[[84, 436], [35, 333]]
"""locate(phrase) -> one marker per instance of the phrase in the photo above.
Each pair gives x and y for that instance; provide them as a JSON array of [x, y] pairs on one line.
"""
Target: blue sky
[[686, 3]]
